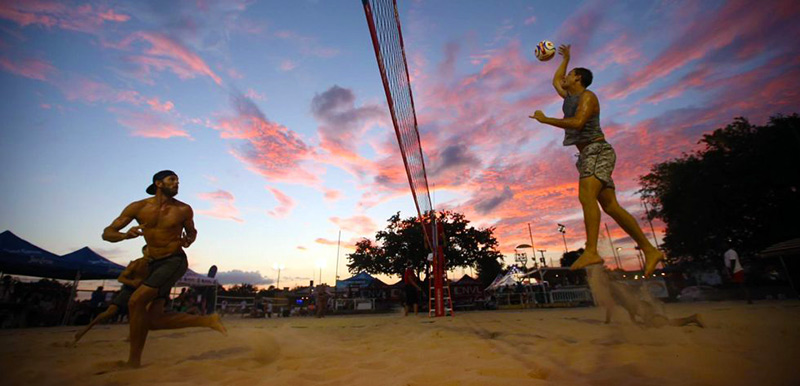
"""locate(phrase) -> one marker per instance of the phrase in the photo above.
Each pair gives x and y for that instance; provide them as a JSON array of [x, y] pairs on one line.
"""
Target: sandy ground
[[741, 345]]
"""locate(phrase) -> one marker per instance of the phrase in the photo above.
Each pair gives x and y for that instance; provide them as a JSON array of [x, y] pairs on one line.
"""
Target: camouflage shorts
[[597, 159]]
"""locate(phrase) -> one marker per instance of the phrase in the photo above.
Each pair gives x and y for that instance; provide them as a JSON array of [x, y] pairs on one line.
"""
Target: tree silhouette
[[402, 242], [742, 186]]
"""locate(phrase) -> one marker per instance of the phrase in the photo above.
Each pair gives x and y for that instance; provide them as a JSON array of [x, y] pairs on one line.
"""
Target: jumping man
[[581, 126]]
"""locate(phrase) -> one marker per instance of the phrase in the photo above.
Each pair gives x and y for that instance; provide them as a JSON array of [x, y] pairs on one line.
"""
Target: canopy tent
[[466, 291], [781, 250], [508, 279], [194, 279], [785, 248], [91, 265], [361, 280], [466, 280], [20, 257]]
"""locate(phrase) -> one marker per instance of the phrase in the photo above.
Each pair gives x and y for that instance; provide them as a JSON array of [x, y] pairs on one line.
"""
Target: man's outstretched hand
[[563, 50]]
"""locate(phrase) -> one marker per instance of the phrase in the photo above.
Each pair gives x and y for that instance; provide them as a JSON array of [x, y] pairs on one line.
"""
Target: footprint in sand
[[218, 354], [106, 367]]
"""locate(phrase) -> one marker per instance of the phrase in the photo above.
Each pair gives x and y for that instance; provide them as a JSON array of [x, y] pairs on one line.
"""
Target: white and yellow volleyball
[[545, 50]]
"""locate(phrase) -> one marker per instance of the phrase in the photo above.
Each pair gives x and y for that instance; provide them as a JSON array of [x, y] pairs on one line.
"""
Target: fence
[[571, 295]]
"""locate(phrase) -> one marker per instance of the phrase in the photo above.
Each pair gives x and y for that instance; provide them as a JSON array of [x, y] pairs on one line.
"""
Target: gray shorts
[[122, 298], [597, 159], [165, 272]]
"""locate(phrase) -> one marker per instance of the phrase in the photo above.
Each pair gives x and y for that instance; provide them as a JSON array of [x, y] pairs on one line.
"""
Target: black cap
[[158, 177]]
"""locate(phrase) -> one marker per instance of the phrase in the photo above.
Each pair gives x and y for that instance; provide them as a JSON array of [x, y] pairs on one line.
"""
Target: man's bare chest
[[163, 217]]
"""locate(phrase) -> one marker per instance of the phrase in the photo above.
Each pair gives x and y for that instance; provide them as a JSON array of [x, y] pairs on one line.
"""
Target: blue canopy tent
[[91, 265], [19, 257], [361, 280]]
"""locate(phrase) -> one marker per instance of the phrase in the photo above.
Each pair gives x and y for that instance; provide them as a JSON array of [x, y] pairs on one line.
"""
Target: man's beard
[[170, 192]]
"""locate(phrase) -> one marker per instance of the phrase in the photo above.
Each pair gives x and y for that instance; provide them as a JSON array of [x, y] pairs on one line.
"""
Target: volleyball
[[545, 50]]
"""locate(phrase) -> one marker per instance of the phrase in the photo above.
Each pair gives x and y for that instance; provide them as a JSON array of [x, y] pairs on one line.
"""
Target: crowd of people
[[32, 304]]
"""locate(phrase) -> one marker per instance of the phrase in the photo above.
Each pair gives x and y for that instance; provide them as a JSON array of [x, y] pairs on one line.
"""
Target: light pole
[[563, 230], [543, 261], [279, 268], [619, 258], [522, 257], [320, 265]]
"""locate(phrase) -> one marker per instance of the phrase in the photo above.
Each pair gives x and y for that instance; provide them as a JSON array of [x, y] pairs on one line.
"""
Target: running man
[[167, 226], [581, 124], [412, 290], [131, 278]]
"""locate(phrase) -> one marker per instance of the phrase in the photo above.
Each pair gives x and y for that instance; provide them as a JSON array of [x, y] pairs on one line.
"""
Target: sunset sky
[[274, 116]]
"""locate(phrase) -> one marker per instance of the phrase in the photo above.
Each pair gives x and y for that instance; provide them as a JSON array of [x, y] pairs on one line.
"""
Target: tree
[[403, 242], [241, 290], [567, 258], [742, 186]]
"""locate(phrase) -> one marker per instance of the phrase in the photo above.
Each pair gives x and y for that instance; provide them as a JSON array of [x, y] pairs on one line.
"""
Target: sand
[[742, 345]]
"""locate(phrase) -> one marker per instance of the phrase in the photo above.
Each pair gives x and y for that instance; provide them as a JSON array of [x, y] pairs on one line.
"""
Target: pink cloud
[[332, 194], [222, 205], [147, 124], [285, 204], [255, 95], [166, 53], [345, 244], [110, 15], [288, 65], [158, 106], [735, 20], [77, 87], [359, 224], [268, 148], [84, 17], [29, 68]]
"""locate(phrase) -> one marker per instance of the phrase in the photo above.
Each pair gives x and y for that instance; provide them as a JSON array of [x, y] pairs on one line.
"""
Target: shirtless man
[[581, 124], [131, 277], [167, 227]]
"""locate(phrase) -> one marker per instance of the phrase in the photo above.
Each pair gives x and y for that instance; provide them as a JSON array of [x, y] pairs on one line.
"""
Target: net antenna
[[387, 39]]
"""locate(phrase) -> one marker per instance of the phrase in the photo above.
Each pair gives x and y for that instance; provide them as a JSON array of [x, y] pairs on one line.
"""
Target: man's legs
[[137, 308], [111, 311], [608, 200], [170, 321], [588, 191]]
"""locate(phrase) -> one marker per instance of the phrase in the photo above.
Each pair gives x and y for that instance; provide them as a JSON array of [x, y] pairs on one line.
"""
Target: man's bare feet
[[130, 364], [216, 324], [651, 259], [586, 259], [78, 336], [698, 319]]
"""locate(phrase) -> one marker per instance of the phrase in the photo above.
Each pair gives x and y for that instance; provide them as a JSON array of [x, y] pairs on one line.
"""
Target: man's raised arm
[[563, 50], [112, 232]]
